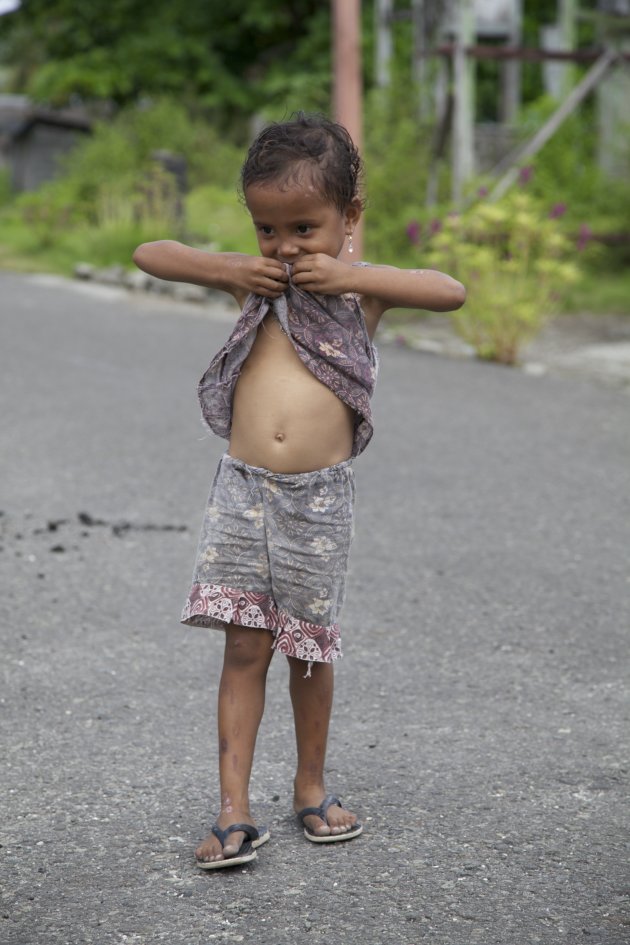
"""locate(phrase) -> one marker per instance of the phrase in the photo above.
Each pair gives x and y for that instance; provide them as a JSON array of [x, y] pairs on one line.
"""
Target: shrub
[[513, 260]]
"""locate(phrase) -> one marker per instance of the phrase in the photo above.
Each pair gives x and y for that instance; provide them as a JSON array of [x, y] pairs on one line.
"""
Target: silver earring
[[350, 246]]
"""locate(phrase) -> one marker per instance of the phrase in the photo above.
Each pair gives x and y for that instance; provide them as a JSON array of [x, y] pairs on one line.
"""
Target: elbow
[[147, 255], [459, 296]]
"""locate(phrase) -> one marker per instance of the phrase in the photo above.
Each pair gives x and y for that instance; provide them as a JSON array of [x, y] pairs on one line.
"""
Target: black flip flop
[[320, 811], [255, 837]]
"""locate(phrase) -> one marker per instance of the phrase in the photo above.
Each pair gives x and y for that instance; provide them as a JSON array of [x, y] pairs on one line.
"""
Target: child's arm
[[380, 287], [236, 273]]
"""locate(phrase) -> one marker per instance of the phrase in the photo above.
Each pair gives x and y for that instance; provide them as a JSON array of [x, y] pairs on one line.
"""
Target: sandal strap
[[330, 800], [320, 811], [248, 829]]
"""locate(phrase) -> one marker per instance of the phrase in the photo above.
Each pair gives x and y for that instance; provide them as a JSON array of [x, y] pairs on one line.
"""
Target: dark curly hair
[[283, 151]]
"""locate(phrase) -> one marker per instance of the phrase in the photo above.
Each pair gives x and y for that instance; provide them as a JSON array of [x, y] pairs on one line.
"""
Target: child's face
[[294, 220]]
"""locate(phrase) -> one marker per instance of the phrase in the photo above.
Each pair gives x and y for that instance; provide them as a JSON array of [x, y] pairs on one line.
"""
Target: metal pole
[[347, 85]]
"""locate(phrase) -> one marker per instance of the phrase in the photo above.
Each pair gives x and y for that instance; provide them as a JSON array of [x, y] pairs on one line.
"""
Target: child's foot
[[210, 849], [324, 819]]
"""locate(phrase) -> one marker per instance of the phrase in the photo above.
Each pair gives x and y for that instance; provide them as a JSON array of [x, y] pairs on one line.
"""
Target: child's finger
[[304, 264], [276, 270], [270, 288]]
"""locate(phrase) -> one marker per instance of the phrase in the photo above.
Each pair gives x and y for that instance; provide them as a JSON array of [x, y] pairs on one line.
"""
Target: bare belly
[[283, 418]]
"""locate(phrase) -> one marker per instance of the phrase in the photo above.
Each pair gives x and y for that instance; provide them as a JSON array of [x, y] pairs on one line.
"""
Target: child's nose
[[287, 248]]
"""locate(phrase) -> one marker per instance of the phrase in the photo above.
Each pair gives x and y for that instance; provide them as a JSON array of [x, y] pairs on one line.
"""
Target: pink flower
[[525, 175], [585, 235], [435, 226], [483, 192], [558, 210], [413, 232]]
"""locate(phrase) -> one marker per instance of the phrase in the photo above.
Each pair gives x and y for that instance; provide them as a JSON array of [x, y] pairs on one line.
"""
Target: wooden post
[[419, 64], [383, 44], [567, 12], [511, 70], [463, 163], [347, 86]]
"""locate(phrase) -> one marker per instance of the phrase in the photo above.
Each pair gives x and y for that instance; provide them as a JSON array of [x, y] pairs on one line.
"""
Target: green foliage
[[124, 147], [396, 161], [119, 50], [6, 190], [565, 169], [216, 219], [113, 191], [513, 259], [601, 292], [566, 180]]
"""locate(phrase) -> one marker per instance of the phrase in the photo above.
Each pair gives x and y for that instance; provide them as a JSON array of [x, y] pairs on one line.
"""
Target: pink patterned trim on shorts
[[214, 605], [307, 641]]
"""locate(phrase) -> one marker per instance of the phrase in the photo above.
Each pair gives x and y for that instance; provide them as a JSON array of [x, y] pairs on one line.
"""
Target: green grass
[[604, 292]]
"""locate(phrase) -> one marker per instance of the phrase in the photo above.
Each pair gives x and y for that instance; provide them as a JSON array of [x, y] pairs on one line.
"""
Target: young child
[[290, 390]]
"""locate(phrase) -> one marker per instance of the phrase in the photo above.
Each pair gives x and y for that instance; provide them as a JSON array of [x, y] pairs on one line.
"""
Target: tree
[[231, 57]]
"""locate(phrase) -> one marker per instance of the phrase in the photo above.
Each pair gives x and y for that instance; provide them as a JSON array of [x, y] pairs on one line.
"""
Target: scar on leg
[[223, 745]]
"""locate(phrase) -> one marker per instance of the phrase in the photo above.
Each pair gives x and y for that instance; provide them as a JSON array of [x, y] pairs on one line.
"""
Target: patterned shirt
[[330, 337]]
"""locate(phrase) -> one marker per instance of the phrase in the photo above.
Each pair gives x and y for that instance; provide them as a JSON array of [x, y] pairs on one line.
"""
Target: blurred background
[[123, 121]]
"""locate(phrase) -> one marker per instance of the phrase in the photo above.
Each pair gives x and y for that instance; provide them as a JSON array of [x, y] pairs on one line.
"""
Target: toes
[[230, 849], [318, 826], [204, 857], [210, 851]]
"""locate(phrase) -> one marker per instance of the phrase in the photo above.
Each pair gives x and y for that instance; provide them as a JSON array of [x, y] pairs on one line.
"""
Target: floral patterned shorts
[[273, 554]]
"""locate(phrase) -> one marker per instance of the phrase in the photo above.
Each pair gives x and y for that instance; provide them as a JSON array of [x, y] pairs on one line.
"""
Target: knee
[[248, 649]]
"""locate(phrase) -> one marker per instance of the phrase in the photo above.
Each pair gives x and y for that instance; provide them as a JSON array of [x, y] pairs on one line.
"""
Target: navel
[[279, 437]]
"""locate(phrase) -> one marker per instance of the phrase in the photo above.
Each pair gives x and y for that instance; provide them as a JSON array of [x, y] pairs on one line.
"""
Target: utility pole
[[347, 85]]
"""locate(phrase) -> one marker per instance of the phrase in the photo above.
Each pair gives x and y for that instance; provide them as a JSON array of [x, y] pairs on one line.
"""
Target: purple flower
[[525, 175], [585, 235], [558, 210], [483, 192], [435, 226], [413, 232]]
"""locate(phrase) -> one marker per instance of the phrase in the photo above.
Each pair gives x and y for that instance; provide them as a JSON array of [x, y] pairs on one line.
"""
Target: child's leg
[[312, 704], [247, 657]]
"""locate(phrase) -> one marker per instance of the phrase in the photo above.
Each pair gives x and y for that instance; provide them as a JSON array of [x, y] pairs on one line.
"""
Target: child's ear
[[353, 211]]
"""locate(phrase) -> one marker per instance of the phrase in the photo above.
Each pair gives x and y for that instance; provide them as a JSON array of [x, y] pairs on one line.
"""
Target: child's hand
[[260, 275], [322, 274]]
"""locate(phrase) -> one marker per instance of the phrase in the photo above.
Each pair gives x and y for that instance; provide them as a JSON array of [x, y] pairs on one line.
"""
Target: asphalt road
[[481, 718]]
